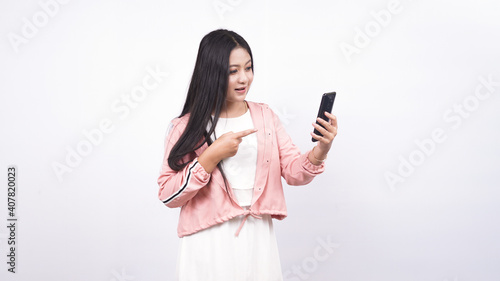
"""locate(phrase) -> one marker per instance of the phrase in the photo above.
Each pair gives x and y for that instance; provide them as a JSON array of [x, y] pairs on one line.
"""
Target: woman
[[224, 159]]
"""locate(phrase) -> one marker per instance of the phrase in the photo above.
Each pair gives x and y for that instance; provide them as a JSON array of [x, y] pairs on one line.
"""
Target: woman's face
[[240, 75]]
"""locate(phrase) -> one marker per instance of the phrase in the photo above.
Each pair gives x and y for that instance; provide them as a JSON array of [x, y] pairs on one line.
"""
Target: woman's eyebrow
[[236, 65]]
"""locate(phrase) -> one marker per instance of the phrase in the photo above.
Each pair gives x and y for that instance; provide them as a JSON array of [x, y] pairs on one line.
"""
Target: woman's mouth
[[241, 90]]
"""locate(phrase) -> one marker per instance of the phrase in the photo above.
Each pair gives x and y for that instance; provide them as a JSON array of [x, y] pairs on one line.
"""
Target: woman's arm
[[298, 168], [319, 152], [178, 187], [223, 147]]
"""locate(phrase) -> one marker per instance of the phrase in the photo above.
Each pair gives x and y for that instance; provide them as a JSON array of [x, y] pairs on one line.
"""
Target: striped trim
[[183, 186]]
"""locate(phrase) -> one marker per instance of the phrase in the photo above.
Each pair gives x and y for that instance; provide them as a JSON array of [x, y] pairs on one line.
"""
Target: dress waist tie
[[247, 213]]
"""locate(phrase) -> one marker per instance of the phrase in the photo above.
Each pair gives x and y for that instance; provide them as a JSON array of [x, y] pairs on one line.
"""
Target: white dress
[[216, 253]]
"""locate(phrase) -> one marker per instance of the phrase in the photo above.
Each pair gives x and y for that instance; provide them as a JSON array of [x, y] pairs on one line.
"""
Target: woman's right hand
[[223, 147]]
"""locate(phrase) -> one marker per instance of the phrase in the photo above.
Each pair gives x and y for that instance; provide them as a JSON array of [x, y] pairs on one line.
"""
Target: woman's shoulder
[[256, 104], [180, 120], [178, 124], [259, 105]]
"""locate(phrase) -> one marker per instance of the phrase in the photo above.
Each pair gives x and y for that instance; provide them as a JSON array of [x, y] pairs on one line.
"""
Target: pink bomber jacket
[[202, 196]]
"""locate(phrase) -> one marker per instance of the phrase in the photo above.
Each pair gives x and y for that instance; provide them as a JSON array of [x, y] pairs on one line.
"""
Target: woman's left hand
[[329, 132]]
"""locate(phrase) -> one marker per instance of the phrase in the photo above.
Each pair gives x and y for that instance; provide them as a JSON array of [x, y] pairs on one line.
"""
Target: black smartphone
[[326, 105]]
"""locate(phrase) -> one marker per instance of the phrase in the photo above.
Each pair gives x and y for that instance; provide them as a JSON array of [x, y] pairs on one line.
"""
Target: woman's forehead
[[239, 56]]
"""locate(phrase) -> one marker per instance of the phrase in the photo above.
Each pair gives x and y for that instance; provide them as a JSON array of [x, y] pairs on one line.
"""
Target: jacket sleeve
[[296, 168], [178, 187]]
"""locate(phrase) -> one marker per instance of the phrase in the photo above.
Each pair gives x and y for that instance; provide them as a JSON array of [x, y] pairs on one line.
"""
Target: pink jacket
[[203, 198]]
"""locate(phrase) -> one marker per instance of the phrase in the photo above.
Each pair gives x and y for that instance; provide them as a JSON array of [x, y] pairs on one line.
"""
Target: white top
[[240, 169], [215, 253]]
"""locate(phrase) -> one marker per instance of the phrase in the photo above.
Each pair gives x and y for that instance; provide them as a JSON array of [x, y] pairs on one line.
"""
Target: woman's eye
[[233, 71], [249, 68]]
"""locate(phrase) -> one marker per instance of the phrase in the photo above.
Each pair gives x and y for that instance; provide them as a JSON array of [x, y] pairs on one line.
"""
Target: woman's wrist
[[208, 160], [317, 158]]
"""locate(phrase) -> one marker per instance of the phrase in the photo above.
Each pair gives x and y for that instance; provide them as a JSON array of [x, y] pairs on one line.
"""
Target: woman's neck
[[234, 109]]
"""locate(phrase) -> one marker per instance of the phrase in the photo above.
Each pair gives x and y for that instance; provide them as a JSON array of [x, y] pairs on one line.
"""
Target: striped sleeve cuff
[[196, 173]]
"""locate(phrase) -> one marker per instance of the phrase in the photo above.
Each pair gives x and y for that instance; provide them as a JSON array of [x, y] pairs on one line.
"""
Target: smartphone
[[326, 105]]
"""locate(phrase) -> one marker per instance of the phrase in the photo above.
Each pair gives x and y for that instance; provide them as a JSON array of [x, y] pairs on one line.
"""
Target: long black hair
[[207, 93]]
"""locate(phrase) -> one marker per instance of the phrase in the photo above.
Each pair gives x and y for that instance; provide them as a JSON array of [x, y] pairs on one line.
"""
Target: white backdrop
[[411, 186]]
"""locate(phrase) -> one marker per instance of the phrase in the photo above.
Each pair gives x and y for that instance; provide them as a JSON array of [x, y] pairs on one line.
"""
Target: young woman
[[223, 163]]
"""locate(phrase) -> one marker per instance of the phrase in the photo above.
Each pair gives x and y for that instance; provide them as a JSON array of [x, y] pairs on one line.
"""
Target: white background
[[102, 220]]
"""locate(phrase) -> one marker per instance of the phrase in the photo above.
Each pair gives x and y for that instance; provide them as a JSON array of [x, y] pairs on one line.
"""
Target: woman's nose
[[243, 77]]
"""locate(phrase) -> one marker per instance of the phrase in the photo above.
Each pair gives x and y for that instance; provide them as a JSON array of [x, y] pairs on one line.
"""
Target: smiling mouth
[[241, 89]]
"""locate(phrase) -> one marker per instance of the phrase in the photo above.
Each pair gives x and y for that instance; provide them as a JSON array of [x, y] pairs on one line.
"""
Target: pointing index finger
[[245, 133]]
